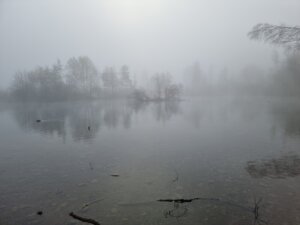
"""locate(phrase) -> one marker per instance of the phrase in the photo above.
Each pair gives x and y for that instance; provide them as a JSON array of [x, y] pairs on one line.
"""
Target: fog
[[149, 112], [148, 36]]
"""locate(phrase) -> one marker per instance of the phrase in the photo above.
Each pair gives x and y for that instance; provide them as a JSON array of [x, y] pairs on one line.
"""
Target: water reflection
[[62, 119], [53, 118], [285, 166], [164, 111], [204, 145], [84, 120], [288, 117]]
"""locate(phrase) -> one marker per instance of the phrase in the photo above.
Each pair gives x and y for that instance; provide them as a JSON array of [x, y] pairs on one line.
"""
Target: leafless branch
[[287, 36]]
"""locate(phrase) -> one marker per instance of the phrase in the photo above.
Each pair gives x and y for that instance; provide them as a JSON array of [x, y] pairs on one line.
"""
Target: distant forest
[[79, 79]]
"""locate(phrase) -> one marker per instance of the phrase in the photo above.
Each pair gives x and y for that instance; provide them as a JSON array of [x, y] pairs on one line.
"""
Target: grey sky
[[151, 35]]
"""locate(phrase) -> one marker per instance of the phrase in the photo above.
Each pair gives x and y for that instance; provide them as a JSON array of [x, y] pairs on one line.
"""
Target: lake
[[234, 160]]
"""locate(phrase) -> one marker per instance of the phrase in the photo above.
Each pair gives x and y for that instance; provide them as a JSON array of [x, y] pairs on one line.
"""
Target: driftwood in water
[[82, 219], [254, 210], [182, 200], [114, 175]]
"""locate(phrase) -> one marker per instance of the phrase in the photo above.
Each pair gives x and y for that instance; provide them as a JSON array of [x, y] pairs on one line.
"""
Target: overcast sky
[[152, 35]]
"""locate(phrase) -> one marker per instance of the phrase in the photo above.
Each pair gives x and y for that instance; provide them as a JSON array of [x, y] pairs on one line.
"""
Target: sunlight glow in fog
[[133, 11]]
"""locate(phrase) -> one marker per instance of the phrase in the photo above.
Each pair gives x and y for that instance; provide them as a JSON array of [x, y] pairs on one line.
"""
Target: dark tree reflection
[[53, 118], [83, 120], [286, 166], [288, 118], [111, 117], [163, 111]]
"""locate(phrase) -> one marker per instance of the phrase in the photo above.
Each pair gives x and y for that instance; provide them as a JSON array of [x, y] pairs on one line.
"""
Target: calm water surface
[[229, 152]]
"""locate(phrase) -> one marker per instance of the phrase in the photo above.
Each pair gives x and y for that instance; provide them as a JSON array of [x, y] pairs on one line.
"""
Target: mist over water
[[235, 149]]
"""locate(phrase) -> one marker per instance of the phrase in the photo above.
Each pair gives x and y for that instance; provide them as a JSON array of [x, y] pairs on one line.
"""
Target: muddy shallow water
[[112, 161]]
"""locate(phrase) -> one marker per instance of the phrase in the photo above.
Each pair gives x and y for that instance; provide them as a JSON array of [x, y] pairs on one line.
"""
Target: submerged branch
[[90, 203], [82, 219], [254, 210], [220, 201]]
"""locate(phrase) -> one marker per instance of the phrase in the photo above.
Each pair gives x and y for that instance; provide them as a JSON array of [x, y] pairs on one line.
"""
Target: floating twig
[[178, 200], [91, 203], [114, 175], [183, 200], [82, 219]]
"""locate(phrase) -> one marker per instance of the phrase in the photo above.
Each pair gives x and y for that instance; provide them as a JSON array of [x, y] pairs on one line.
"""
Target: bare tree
[[110, 78], [41, 83], [165, 88], [286, 36], [195, 78], [173, 91], [125, 77], [161, 81], [82, 75]]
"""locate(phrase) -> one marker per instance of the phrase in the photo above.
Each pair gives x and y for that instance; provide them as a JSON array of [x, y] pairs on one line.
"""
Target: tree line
[[80, 79]]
